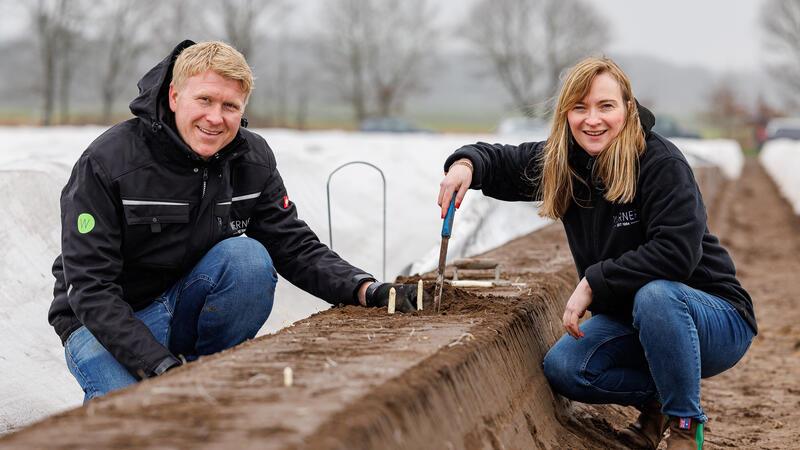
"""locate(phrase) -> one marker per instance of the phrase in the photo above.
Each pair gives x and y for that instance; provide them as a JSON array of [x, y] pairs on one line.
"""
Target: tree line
[[371, 56]]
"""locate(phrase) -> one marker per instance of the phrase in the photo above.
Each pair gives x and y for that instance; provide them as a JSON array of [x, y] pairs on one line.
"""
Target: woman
[[667, 309]]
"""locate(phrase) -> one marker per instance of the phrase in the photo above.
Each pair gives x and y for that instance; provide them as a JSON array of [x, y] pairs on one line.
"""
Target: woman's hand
[[576, 307], [458, 179]]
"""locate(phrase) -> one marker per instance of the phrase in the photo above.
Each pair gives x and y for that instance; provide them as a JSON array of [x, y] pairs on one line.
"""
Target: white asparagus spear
[[288, 378], [392, 296], [419, 295]]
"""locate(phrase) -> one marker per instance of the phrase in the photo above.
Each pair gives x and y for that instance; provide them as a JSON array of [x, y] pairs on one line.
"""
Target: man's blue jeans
[[678, 335], [223, 301]]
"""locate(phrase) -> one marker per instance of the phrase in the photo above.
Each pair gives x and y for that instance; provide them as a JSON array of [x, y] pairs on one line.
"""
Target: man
[[153, 266]]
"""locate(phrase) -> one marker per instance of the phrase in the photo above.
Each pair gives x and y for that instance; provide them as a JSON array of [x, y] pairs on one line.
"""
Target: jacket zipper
[[593, 194], [205, 182], [198, 223]]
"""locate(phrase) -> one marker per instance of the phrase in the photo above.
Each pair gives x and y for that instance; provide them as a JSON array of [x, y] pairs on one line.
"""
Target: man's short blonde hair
[[217, 56]]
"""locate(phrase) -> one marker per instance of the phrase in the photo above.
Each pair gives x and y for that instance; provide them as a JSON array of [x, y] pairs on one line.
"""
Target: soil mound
[[469, 378]]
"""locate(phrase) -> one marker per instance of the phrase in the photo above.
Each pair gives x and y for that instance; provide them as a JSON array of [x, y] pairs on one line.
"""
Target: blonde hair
[[217, 56], [616, 166]]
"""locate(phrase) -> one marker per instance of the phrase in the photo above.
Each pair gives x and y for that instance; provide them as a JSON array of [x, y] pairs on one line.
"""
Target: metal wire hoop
[[330, 223]]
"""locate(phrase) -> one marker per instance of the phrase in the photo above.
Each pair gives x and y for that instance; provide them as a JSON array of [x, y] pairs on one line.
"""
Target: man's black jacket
[[620, 247], [140, 209]]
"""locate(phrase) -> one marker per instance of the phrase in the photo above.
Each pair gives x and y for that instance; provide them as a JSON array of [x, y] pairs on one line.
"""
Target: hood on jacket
[[646, 118], [152, 103]]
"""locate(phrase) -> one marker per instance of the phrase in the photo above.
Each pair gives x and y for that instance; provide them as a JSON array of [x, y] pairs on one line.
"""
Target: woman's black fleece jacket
[[620, 247]]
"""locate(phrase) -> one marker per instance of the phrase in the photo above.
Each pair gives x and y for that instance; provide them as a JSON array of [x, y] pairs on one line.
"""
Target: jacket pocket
[[156, 232], [155, 213]]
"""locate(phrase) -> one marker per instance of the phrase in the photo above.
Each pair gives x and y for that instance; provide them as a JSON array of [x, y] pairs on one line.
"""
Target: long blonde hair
[[617, 166]]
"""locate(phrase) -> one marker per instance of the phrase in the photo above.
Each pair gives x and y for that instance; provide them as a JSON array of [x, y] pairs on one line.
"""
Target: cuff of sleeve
[[167, 363], [477, 170], [358, 280], [595, 278]]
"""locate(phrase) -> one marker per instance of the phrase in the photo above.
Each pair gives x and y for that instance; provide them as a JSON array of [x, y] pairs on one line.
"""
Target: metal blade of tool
[[447, 229]]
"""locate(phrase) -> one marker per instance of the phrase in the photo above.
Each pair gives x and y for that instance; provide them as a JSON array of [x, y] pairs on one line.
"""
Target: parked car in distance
[[390, 125], [531, 128], [669, 128], [783, 127]]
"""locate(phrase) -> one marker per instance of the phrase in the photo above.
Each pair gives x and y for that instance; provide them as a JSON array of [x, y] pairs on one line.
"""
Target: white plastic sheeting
[[781, 159], [724, 153]]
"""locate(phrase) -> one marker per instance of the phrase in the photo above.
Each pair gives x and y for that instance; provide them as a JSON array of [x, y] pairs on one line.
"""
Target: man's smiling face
[[208, 110]]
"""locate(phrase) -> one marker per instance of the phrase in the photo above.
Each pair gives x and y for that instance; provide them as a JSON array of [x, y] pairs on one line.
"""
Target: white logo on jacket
[[239, 226], [626, 218]]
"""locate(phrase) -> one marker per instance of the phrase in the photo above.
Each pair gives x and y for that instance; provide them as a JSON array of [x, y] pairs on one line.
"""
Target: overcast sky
[[719, 34]]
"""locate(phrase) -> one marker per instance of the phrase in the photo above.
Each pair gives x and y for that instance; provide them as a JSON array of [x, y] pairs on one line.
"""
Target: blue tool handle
[[447, 226]]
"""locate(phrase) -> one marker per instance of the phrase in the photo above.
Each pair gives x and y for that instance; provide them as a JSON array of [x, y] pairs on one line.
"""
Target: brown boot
[[685, 434], [649, 428]]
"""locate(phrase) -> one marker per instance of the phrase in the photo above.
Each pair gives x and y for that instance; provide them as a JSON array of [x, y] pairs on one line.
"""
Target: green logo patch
[[85, 223]]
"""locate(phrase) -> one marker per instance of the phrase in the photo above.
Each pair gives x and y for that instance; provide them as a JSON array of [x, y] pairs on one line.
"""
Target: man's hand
[[405, 300], [576, 307]]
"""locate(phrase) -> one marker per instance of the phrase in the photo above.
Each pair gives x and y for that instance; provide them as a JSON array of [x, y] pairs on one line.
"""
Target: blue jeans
[[678, 336], [223, 301]]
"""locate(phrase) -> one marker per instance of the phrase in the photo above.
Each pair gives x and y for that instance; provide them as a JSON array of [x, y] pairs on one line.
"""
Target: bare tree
[[780, 20], [301, 81], [530, 42], [728, 115], [573, 30], [178, 21], [127, 34], [282, 54], [291, 78], [404, 42], [51, 20], [502, 32], [73, 19], [241, 21], [376, 52], [44, 18], [280, 80], [343, 46]]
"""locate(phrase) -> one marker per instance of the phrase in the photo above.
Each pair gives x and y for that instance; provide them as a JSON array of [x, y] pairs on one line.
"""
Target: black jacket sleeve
[[504, 172], [674, 218], [296, 251], [92, 264]]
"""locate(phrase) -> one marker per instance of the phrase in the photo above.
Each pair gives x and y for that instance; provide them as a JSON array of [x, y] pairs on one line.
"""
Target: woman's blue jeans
[[223, 301], [678, 336]]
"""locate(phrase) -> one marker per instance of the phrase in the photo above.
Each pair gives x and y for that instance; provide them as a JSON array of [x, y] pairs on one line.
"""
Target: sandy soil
[[756, 405], [469, 378]]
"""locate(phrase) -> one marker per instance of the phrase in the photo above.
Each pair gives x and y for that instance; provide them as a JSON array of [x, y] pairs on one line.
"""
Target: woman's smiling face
[[599, 117]]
